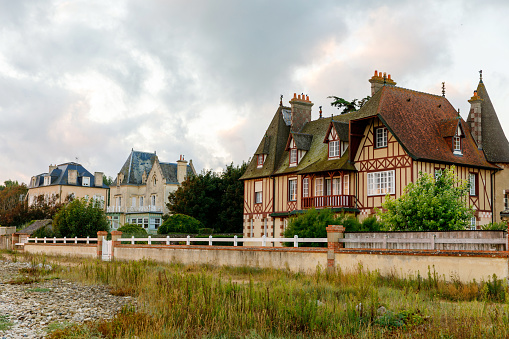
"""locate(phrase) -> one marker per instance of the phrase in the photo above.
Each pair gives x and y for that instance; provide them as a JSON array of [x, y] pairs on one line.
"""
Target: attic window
[[86, 181], [260, 160], [47, 181], [456, 142], [334, 149], [293, 156]]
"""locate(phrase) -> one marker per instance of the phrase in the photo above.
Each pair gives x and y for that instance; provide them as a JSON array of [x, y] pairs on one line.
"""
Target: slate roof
[[302, 141], [494, 141], [60, 176], [139, 162]]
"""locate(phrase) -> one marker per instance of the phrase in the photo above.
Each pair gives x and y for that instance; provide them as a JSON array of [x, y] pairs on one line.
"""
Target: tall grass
[[175, 301]]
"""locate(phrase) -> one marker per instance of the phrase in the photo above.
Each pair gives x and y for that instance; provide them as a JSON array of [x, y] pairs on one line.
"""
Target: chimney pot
[[307, 97], [376, 73], [389, 76], [295, 95]]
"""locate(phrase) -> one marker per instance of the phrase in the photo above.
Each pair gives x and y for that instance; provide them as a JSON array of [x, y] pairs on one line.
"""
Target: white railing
[[115, 209], [64, 240], [148, 208], [235, 240]]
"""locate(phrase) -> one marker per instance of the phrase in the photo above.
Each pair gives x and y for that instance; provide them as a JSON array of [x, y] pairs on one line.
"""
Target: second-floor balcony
[[329, 201], [135, 209]]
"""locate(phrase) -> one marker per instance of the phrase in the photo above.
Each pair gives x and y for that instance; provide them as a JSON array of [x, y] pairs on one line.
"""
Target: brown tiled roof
[[448, 127], [494, 141], [416, 119]]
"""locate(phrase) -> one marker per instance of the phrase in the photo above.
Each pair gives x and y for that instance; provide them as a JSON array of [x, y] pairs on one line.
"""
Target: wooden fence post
[[334, 233]]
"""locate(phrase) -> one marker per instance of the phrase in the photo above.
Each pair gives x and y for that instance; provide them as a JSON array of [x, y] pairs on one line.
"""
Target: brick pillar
[[334, 233], [100, 236], [115, 236]]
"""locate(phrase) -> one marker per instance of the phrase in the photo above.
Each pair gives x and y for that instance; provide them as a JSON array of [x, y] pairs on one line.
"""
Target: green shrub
[[80, 218], [133, 230], [206, 231], [495, 226], [42, 232], [180, 223]]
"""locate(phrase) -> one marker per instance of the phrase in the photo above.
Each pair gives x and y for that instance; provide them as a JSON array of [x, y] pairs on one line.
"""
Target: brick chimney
[[301, 111], [379, 80], [72, 177], [475, 121], [98, 179], [181, 169], [51, 168]]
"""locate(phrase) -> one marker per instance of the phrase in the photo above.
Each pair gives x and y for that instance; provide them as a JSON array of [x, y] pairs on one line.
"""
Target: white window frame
[[293, 157], [153, 199], [292, 189], [328, 186], [141, 201], [318, 187], [333, 149], [133, 201], [305, 187], [472, 180], [85, 181], [346, 185], [47, 180], [381, 183], [258, 192], [456, 145], [336, 186], [473, 223], [380, 137]]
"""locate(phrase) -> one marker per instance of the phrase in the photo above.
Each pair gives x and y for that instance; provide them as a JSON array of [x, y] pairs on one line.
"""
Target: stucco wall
[[305, 260], [73, 250], [464, 267]]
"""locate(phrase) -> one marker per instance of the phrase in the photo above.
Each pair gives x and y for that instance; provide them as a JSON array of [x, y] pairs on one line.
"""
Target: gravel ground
[[31, 308]]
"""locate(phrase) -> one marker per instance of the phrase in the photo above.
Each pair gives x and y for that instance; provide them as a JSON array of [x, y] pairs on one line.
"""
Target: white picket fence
[[64, 240], [235, 240]]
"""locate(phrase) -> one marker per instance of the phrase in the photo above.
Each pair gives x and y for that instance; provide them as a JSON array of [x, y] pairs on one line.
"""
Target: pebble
[[59, 301]]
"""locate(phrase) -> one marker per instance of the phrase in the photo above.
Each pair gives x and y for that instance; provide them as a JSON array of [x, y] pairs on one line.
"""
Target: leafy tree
[[179, 223], [132, 230], [429, 204], [13, 209], [215, 199], [348, 106], [108, 181], [80, 218]]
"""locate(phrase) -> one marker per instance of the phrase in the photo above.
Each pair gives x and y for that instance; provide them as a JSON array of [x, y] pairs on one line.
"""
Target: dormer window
[[86, 181], [47, 181], [293, 156], [334, 149], [260, 160], [380, 137], [456, 142]]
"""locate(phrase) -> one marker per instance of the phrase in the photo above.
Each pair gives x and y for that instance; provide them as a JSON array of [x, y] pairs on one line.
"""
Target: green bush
[[42, 232], [135, 230], [180, 223], [496, 226], [80, 218]]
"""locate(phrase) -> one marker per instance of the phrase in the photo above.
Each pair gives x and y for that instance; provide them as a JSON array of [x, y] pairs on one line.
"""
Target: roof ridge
[[413, 90]]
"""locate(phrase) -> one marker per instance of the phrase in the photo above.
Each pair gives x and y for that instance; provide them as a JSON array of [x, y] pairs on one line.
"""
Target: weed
[[38, 290], [5, 324]]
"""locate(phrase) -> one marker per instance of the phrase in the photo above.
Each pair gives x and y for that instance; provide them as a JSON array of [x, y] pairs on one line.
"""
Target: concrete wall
[[463, 266], [73, 250], [305, 260]]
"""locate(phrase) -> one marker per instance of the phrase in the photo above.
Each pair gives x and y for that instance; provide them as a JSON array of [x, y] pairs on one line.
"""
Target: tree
[[180, 223], [430, 204], [216, 200], [108, 181], [132, 230], [348, 106], [13, 208], [80, 218]]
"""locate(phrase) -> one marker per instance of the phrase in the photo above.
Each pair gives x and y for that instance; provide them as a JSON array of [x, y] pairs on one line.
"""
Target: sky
[[89, 80]]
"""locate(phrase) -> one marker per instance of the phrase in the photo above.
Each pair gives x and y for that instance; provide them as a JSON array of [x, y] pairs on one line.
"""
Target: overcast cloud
[[94, 79]]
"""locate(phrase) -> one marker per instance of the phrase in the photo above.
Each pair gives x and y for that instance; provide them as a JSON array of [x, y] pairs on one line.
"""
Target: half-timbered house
[[350, 162]]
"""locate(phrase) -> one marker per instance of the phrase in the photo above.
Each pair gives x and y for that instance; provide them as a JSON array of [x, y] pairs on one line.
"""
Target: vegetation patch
[[5, 324]]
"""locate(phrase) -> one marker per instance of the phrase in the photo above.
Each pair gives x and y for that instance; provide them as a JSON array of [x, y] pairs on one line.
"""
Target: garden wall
[[74, 250]]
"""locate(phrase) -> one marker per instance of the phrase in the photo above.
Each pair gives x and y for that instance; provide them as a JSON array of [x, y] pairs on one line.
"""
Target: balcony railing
[[134, 209], [329, 201]]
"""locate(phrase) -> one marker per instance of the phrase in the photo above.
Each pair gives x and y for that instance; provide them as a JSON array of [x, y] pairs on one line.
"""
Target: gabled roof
[[142, 162], [448, 127], [278, 132], [494, 141], [302, 141], [416, 119], [60, 176], [137, 163], [341, 128]]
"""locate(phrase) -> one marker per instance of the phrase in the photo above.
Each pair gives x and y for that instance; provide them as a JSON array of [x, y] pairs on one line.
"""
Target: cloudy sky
[[94, 79]]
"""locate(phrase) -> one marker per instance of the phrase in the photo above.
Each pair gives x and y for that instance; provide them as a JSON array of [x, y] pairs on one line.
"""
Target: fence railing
[[235, 240], [64, 240], [329, 201]]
